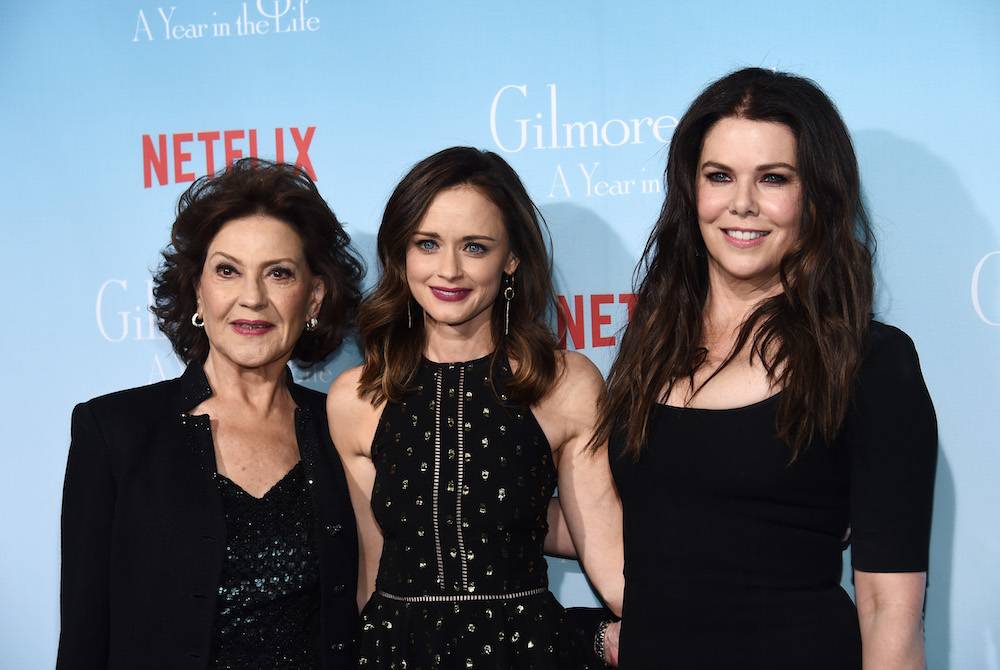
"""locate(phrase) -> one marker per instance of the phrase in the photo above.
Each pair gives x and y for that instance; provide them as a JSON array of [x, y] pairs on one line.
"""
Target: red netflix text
[[577, 317], [180, 157]]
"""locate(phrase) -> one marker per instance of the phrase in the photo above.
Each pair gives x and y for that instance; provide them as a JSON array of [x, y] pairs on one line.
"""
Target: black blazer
[[143, 530]]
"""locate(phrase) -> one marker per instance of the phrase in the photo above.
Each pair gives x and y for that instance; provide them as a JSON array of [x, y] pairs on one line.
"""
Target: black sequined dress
[[463, 481], [268, 595]]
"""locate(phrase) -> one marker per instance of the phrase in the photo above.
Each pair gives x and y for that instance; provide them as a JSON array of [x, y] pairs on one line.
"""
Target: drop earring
[[508, 294], [409, 315]]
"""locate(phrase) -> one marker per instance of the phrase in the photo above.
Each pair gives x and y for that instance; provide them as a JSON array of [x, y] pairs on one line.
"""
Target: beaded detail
[[461, 492]]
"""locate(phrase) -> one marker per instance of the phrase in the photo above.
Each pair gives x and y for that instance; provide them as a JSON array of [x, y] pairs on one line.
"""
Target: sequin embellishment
[[485, 602], [268, 595]]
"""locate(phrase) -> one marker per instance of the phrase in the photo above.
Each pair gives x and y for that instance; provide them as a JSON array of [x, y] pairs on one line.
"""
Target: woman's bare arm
[[890, 613], [587, 495], [353, 421]]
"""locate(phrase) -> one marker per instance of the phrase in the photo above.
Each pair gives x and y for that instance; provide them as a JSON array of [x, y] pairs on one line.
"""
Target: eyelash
[[280, 273], [769, 178], [429, 245], [225, 270]]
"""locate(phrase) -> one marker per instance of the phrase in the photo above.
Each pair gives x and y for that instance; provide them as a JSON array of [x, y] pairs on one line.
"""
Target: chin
[[252, 359], [449, 319], [753, 275], [448, 312], [453, 318]]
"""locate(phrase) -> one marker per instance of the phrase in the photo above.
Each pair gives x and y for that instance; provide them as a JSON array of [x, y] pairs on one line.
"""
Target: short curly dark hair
[[254, 186]]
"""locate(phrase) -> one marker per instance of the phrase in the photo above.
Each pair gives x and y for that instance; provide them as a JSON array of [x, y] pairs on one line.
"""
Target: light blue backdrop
[[384, 84]]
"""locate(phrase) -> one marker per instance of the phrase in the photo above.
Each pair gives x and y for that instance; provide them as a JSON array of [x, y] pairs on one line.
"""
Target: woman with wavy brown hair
[[759, 419], [457, 427]]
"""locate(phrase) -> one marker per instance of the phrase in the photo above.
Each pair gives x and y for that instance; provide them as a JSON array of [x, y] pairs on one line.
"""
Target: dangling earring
[[312, 323], [197, 321], [508, 294], [409, 315]]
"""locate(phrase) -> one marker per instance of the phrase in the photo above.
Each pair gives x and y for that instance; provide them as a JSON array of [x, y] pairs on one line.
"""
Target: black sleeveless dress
[[733, 554], [462, 485]]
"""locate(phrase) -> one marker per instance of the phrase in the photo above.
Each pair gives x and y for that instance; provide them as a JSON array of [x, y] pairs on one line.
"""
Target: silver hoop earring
[[311, 324], [508, 294], [197, 321]]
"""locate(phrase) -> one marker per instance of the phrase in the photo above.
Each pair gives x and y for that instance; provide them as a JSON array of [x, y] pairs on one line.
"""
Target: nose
[[744, 202], [253, 292], [450, 265]]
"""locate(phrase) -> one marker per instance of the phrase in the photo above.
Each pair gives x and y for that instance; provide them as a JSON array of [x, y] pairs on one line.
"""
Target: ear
[[316, 297], [512, 263]]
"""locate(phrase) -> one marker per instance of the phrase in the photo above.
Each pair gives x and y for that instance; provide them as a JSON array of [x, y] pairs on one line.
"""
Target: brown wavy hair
[[810, 338], [247, 187], [392, 349]]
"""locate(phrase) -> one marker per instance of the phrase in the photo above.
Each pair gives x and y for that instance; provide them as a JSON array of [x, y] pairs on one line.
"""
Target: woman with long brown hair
[[457, 427], [759, 419]]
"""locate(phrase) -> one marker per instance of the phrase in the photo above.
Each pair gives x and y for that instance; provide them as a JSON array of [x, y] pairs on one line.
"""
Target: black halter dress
[[463, 481]]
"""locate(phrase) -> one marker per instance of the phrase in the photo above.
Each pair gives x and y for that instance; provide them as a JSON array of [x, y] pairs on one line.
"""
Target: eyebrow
[[467, 238], [759, 168], [290, 261]]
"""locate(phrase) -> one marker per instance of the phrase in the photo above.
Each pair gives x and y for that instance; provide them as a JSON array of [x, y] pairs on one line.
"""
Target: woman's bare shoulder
[[577, 387], [348, 410], [578, 372]]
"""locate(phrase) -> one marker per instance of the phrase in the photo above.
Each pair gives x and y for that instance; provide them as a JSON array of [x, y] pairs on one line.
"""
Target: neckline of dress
[[275, 487], [754, 405], [469, 363]]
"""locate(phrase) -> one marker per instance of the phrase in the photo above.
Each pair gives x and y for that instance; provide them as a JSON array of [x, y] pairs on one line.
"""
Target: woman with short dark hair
[[759, 418], [206, 521]]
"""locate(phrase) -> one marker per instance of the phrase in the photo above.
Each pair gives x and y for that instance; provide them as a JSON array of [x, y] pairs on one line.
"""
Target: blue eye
[[426, 245], [718, 177], [772, 178], [475, 248]]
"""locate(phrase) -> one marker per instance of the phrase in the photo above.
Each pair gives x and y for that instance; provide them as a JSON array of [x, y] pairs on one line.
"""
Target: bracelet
[[602, 629]]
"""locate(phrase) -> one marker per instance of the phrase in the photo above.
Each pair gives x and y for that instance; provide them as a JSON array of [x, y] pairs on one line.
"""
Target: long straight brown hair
[[392, 348], [811, 337]]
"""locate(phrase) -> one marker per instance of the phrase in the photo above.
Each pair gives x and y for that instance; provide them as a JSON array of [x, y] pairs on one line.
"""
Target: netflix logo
[[577, 318], [182, 157]]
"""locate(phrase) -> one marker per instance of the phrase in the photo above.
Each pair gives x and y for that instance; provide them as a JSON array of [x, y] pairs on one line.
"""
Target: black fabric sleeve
[[87, 508], [892, 437]]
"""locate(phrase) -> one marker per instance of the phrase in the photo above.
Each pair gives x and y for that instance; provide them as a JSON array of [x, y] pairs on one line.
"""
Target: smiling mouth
[[745, 235], [450, 294], [244, 327]]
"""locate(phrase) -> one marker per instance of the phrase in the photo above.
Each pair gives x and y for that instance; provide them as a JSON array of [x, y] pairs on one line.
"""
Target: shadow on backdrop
[[590, 258], [930, 237]]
